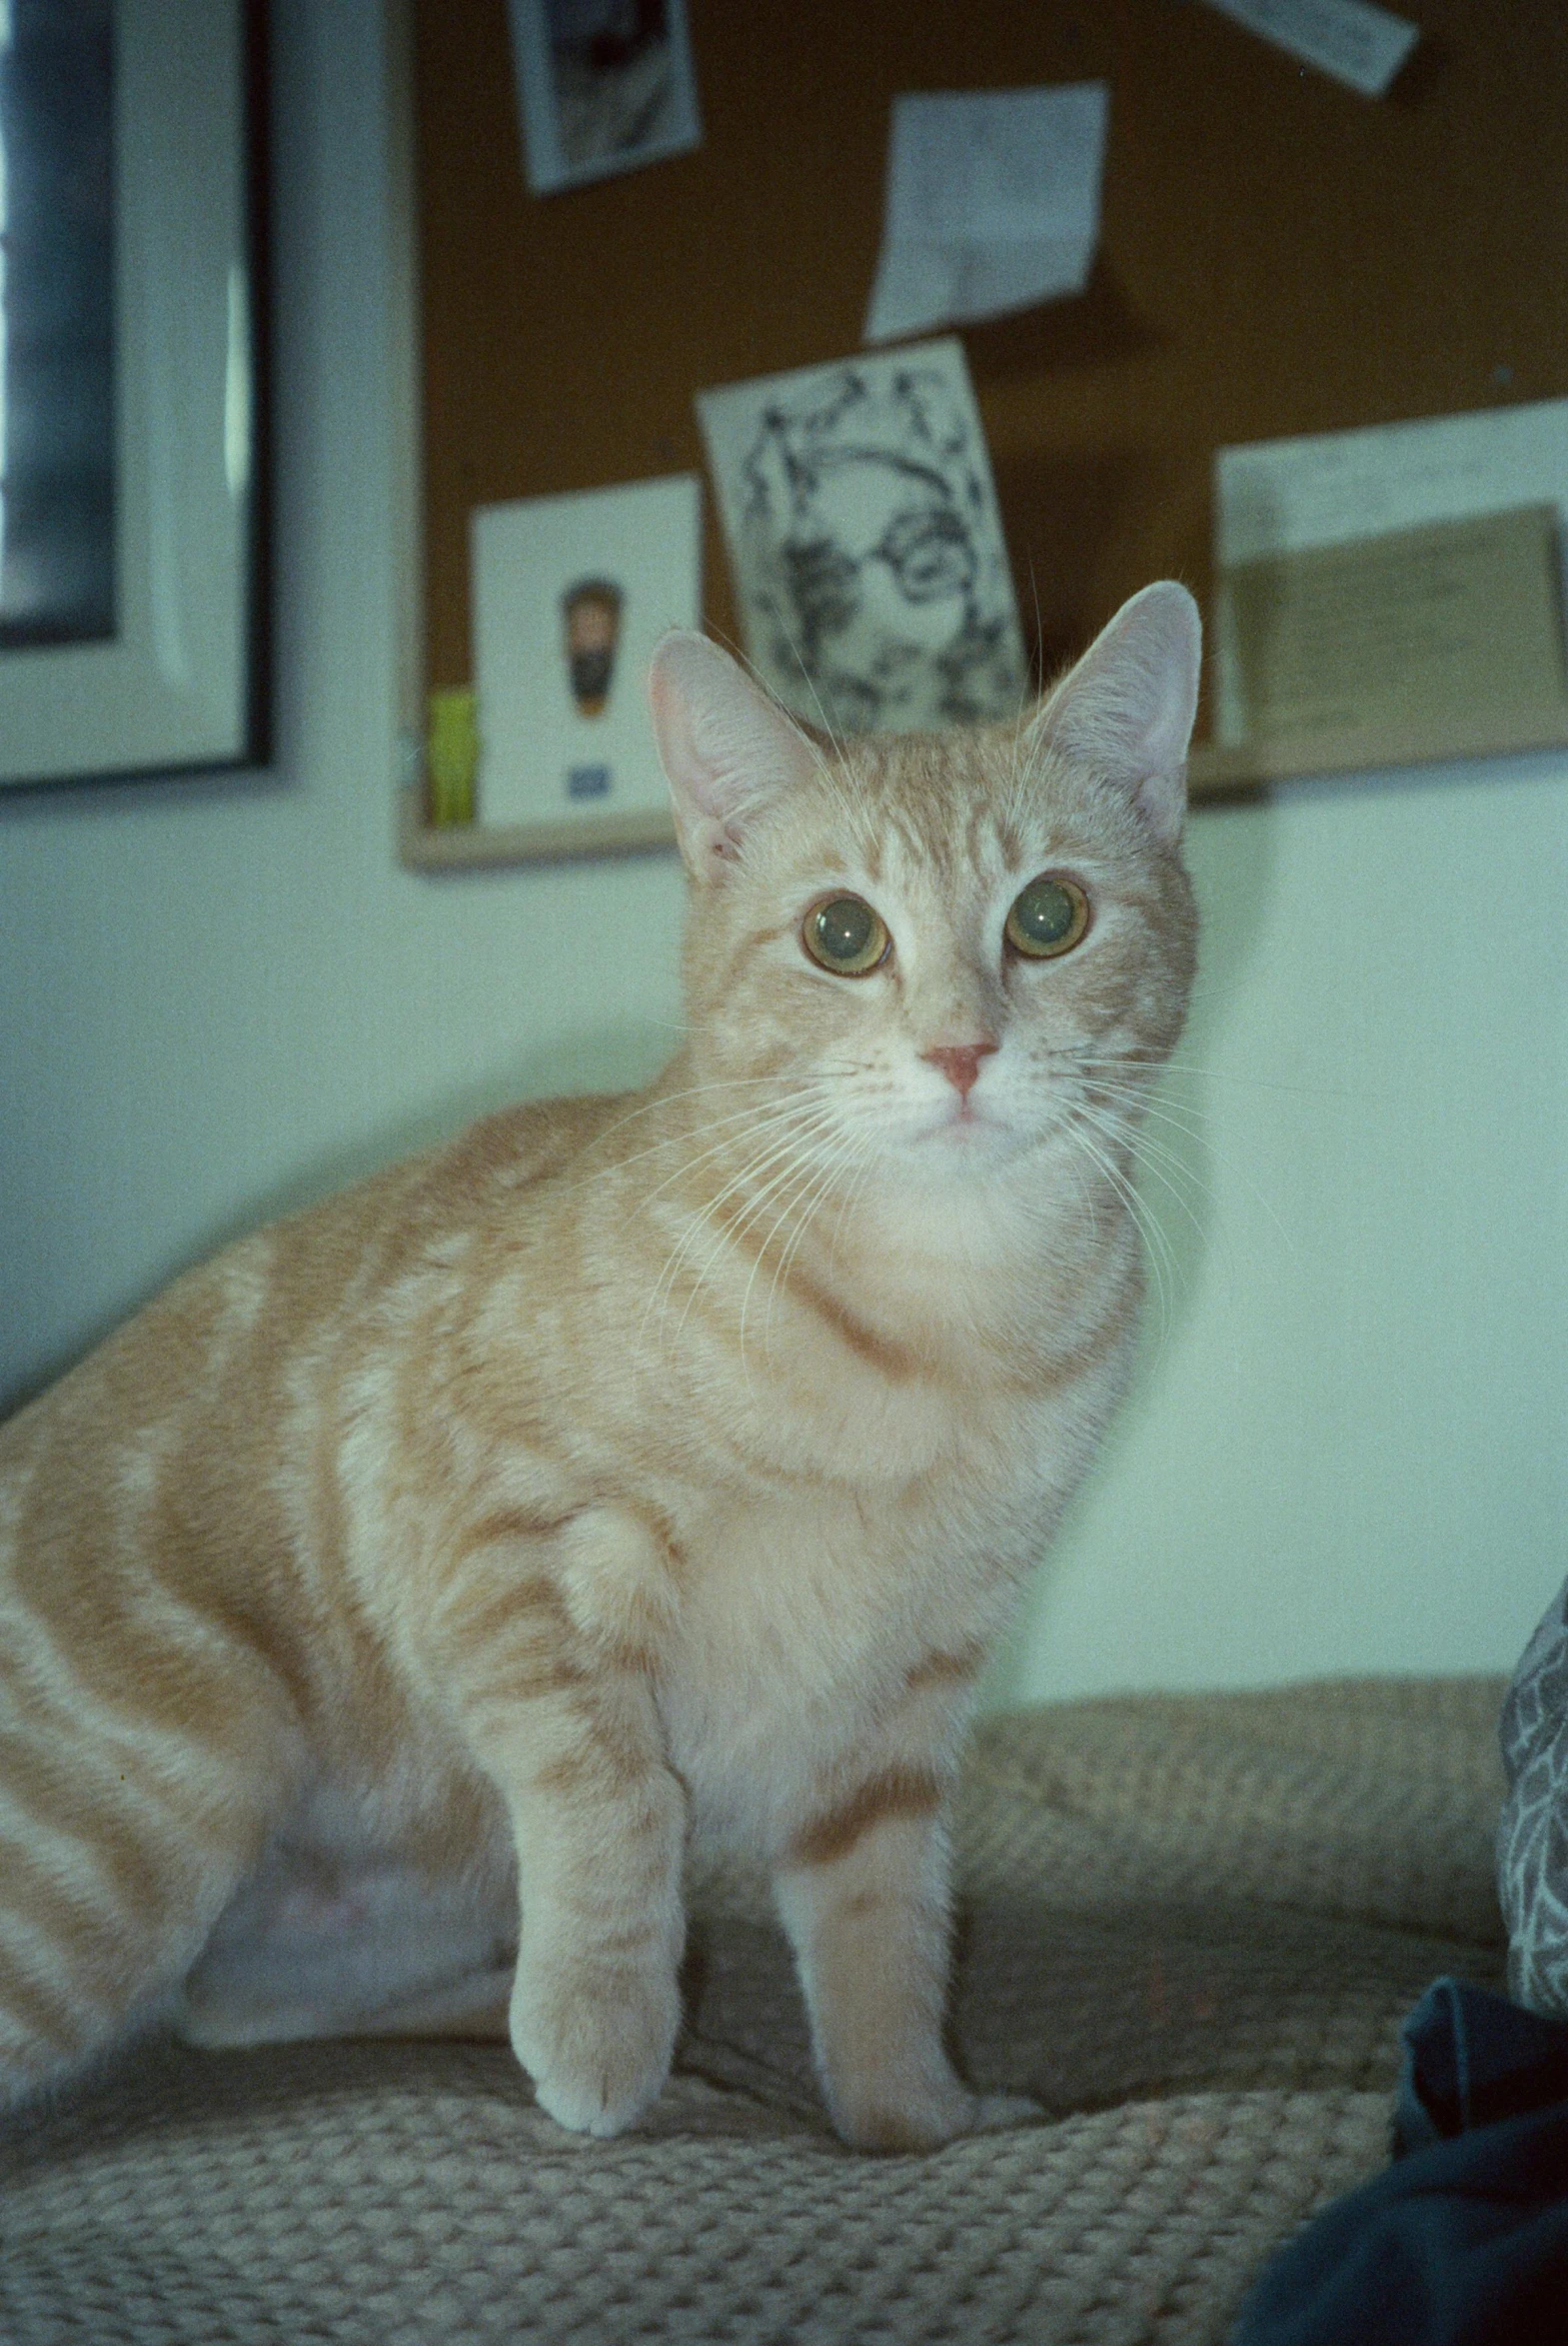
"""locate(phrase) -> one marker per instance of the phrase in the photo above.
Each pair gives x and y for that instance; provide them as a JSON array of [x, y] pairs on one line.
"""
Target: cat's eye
[[843, 934], [1047, 918]]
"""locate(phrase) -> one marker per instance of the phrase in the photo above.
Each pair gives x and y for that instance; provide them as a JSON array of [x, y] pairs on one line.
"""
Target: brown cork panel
[[1278, 256]]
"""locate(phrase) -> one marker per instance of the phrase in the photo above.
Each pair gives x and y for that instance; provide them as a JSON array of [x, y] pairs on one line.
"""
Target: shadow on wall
[[608, 1058], [1232, 853]]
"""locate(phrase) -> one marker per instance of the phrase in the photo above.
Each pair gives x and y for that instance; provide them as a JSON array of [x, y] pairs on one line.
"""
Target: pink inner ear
[[1161, 800], [1127, 707], [726, 748]]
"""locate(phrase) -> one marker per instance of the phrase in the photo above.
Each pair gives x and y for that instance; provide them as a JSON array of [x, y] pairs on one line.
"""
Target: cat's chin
[[962, 1144], [967, 1131]]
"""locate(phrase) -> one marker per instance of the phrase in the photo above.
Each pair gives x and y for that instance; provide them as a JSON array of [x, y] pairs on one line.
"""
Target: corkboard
[[1278, 256]]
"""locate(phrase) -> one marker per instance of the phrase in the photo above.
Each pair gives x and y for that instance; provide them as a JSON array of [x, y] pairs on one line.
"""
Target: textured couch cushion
[[1190, 1928]]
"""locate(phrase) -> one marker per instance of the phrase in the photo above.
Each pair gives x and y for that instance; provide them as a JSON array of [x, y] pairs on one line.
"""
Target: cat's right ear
[[726, 748]]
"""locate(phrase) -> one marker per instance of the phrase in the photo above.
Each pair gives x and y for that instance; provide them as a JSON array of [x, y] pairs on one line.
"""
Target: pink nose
[[959, 1062]]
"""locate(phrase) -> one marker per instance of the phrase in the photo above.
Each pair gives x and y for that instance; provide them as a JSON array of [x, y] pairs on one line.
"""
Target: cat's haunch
[[389, 1609]]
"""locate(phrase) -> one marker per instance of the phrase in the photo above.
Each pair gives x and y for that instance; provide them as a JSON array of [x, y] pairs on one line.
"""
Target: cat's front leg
[[559, 1712], [600, 1825], [865, 1894]]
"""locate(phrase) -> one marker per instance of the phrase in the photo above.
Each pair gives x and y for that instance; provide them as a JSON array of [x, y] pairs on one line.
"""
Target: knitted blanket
[[1190, 1927]]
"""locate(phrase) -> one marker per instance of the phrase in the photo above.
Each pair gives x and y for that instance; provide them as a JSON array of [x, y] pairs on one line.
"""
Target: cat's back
[[196, 1389]]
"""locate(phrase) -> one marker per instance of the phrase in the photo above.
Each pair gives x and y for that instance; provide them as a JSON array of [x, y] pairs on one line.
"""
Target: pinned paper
[[601, 87], [571, 594], [992, 204], [860, 513], [1362, 46], [1437, 641], [1423, 561], [1283, 496]]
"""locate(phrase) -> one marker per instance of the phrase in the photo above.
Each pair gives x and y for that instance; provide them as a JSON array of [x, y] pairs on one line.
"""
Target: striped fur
[[630, 1472]]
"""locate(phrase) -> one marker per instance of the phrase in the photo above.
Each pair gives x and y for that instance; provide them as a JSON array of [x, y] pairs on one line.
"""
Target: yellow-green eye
[[1047, 918], [846, 936]]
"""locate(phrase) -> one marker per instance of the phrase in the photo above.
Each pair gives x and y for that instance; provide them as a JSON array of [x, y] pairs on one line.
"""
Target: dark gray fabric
[[1464, 2241]]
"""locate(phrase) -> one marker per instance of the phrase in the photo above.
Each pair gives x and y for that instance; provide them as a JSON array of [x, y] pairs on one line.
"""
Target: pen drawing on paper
[[869, 565]]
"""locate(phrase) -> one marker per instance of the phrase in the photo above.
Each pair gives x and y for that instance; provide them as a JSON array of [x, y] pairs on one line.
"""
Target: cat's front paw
[[924, 2117], [596, 2037], [997, 2113]]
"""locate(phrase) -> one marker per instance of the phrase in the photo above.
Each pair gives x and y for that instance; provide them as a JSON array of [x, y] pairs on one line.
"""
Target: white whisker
[[1161, 1261], [784, 1151], [847, 1154]]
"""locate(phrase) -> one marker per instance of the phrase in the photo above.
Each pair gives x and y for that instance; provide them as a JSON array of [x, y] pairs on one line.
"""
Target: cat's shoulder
[[530, 1141]]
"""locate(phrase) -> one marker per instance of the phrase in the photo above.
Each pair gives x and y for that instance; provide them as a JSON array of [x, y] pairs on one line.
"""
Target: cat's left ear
[[1127, 709], [726, 748]]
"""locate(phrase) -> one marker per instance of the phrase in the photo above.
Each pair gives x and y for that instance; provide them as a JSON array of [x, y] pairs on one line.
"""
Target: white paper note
[[1444, 639], [1349, 39], [1281, 496], [992, 204]]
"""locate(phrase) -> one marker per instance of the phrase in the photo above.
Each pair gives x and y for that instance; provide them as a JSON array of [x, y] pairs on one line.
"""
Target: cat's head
[[937, 946]]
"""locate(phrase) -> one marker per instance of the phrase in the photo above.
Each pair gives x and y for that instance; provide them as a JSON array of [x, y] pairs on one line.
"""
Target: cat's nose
[[959, 1062]]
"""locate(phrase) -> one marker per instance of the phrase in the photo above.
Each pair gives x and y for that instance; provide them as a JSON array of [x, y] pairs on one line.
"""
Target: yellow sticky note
[[451, 754]]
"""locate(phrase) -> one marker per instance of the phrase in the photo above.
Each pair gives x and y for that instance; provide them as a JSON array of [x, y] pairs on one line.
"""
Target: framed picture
[[129, 395]]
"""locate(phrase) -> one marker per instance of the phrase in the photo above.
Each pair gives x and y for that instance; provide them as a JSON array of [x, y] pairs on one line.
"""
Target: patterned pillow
[[1532, 1834]]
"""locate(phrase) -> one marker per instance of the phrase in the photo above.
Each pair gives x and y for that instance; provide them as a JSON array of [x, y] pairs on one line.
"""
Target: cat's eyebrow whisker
[[836, 771], [1020, 771], [810, 683]]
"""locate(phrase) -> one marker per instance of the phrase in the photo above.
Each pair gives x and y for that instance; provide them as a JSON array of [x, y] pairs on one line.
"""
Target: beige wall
[[1345, 1448]]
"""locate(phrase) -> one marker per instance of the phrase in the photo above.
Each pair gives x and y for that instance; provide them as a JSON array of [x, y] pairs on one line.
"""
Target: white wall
[[1345, 1452], [221, 996]]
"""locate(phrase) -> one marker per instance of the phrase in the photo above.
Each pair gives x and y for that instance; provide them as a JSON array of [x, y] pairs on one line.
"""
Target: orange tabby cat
[[633, 1472]]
